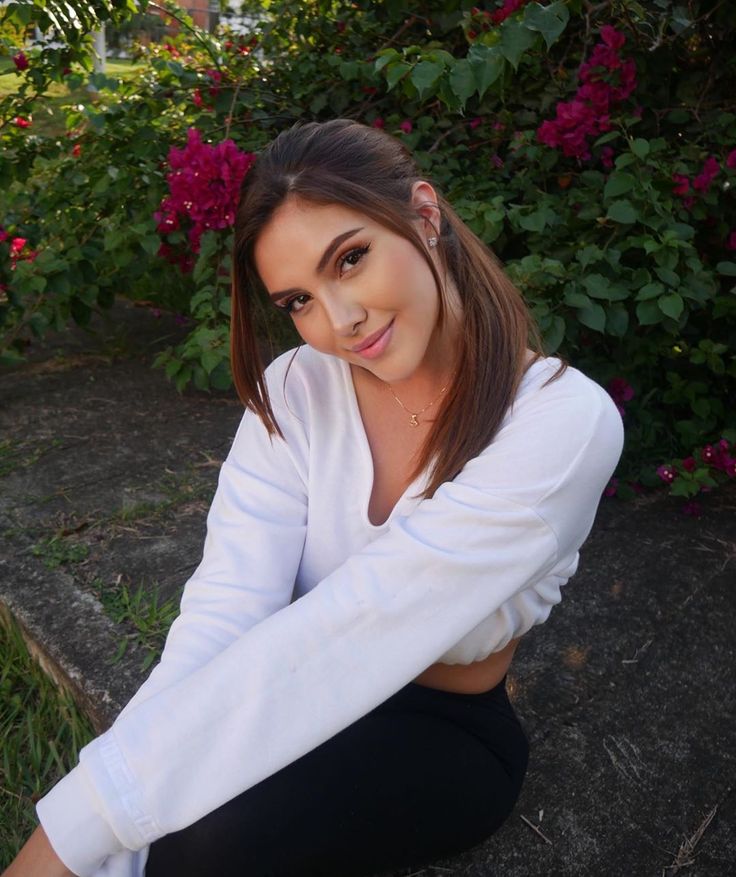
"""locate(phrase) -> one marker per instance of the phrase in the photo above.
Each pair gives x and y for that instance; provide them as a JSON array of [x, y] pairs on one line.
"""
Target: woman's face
[[343, 277]]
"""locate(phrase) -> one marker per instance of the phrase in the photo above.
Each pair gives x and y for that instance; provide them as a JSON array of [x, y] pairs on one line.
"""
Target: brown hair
[[347, 163]]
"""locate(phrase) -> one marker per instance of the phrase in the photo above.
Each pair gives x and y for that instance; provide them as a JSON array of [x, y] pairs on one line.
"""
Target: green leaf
[[396, 72], [727, 268], [576, 299], [487, 63], [668, 276], [425, 75], [648, 313], [617, 184], [515, 40], [210, 359], [385, 56], [622, 211], [462, 80], [151, 244], [554, 335], [650, 291], [640, 147], [593, 316], [550, 20], [671, 305], [617, 321]]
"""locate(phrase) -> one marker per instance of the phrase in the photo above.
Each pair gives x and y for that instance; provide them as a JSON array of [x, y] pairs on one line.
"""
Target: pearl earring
[[432, 242]]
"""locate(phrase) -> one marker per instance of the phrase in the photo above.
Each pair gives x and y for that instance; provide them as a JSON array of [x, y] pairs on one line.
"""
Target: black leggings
[[424, 775]]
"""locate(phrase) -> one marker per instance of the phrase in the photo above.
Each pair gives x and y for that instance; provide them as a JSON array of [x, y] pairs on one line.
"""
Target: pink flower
[[611, 488], [378, 123], [731, 160], [20, 122], [197, 97], [16, 247], [21, 61], [508, 8], [496, 160], [611, 37], [666, 473], [607, 157], [689, 464], [498, 126], [605, 79], [474, 123], [621, 391], [710, 171], [683, 184], [708, 453], [406, 126], [76, 150], [204, 189], [731, 241], [3, 234]]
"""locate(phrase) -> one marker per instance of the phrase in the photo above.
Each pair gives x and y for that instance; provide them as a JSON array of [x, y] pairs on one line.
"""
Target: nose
[[344, 314]]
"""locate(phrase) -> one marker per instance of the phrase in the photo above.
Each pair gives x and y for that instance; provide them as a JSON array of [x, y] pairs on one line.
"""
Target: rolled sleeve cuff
[[70, 816]]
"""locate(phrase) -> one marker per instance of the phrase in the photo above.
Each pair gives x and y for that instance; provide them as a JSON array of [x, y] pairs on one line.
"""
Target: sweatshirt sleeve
[[389, 611]]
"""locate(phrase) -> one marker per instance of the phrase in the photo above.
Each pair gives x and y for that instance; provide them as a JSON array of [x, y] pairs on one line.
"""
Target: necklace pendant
[[414, 421]]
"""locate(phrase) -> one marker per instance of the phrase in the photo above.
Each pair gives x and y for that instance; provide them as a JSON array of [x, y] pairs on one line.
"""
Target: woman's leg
[[425, 775]]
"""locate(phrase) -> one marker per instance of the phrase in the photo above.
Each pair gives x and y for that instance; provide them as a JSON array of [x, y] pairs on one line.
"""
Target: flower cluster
[[620, 391], [21, 62], [482, 19], [18, 250], [606, 79], [719, 457], [204, 186], [701, 184]]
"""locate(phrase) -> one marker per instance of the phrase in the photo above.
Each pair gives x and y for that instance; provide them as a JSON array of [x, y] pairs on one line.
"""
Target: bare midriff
[[472, 678]]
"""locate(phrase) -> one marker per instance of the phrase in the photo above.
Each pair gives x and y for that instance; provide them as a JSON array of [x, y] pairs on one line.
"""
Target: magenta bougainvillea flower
[[508, 8], [204, 187], [666, 473], [606, 79], [406, 126], [20, 122], [621, 391], [731, 160], [683, 184], [710, 171], [21, 61]]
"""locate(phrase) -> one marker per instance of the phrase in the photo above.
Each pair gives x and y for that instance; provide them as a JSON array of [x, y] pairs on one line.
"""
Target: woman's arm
[[37, 859], [516, 514]]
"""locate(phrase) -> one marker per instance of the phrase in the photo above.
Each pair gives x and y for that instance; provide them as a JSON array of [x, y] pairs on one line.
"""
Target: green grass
[[141, 610], [48, 115], [42, 732]]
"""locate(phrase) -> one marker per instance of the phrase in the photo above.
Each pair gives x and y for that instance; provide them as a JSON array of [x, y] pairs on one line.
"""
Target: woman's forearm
[[37, 859]]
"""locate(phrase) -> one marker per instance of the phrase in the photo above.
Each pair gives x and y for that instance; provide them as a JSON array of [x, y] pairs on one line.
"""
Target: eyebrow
[[325, 258]]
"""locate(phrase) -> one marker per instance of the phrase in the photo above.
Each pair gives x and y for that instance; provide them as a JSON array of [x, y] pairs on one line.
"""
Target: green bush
[[589, 145]]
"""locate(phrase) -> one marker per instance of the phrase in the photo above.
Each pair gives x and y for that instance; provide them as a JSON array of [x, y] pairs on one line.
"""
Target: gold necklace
[[413, 421]]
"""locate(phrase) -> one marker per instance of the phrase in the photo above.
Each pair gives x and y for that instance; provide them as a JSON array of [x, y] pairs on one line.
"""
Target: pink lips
[[378, 343]]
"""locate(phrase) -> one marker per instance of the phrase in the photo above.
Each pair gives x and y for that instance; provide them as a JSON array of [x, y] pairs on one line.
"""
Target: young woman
[[404, 498]]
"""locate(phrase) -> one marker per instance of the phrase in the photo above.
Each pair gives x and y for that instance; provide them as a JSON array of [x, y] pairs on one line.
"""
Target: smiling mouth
[[371, 339]]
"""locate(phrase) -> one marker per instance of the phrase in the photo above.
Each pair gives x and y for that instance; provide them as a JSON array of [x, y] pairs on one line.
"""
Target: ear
[[424, 202]]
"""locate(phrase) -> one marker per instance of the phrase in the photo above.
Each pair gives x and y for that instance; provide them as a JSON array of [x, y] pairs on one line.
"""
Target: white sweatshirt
[[303, 616]]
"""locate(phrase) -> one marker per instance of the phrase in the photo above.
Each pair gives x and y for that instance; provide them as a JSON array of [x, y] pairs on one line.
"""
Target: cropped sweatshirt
[[303, 616]]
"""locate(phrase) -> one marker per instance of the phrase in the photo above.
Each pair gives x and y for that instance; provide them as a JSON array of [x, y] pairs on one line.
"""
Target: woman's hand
[[37, 859]]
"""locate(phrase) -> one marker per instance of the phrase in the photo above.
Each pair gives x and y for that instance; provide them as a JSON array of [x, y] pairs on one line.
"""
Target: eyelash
[[360, 251]]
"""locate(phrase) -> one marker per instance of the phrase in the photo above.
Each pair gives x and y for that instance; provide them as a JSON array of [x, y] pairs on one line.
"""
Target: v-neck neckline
[[366, 454]]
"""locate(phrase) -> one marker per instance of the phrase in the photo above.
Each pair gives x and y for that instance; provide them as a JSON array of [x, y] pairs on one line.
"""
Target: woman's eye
[[289, 306], [351, 259]]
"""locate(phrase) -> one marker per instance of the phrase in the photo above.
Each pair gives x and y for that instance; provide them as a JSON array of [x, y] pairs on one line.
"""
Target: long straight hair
[[344, 162]]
